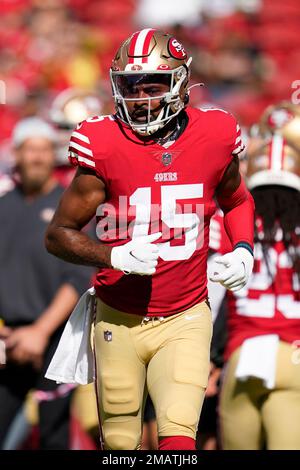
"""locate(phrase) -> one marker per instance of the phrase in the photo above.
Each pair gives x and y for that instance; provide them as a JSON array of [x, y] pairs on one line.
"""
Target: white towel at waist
[[73, 360], [258, 359]]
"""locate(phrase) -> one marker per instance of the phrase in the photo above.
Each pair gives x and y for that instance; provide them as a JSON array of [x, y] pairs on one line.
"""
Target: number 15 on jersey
[[174, 216]]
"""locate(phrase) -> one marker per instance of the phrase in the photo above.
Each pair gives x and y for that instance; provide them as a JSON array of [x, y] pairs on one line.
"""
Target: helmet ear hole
[[186, 99]]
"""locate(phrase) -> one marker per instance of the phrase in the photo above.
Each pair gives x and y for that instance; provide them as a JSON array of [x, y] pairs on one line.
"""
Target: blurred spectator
[[37, 291]]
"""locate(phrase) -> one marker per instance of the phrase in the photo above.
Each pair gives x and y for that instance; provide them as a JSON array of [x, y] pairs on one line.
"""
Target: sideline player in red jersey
[[260, 396], [150, 173]]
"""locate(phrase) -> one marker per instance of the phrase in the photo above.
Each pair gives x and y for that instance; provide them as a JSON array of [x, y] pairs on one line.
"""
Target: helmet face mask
[[155, 82]]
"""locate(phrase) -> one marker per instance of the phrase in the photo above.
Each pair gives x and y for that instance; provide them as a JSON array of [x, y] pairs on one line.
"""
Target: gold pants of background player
[[252, 416]]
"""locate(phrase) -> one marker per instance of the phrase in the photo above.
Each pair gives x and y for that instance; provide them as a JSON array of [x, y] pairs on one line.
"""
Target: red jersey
[[150, 188], [219, 241], [270, 304]]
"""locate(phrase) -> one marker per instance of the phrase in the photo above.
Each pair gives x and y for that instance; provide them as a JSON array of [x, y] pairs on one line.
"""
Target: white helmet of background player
[[282, 119], [70, 107], [74, 105], [151, 56], [273, 162]]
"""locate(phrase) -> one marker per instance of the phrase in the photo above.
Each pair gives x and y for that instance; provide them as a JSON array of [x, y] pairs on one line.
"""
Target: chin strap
[[193, 86]]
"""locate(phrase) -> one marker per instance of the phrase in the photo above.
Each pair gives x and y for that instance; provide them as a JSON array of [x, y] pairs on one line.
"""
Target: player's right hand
[[139, 256]]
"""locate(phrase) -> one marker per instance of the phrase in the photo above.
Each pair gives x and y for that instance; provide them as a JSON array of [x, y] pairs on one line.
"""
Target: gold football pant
[[168, 357], [252, 416]]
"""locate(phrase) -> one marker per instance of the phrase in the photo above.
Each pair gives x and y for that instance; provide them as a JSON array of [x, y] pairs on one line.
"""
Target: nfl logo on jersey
[[107, 335], [166, 158]]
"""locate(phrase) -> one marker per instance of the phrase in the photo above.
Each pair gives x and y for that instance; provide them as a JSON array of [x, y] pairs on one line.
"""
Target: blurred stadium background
[[53, 53], [246, 52]]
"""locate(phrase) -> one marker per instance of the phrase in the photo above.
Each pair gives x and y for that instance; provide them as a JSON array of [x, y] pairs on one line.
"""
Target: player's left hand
[[27, 344], [234, 269]]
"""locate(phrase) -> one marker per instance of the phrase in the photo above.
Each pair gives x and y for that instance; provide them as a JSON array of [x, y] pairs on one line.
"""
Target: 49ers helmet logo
[[136, 67], [176, 49], [279, 118]]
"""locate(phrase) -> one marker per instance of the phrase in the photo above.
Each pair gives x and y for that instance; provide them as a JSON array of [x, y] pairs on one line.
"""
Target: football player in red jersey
[[260, 396], [151, 173]]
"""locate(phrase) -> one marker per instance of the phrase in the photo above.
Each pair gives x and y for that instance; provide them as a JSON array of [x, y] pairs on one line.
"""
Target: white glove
[[139, 256], [234, 269]]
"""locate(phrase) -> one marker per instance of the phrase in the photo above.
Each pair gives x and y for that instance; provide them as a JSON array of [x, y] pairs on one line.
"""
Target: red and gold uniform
[[153, 326], [169, 190], [259, 406], [269, 304], [150, 188]]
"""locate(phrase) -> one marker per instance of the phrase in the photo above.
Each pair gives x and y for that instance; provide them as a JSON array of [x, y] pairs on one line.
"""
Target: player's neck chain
[[169, 137], [180, 125]]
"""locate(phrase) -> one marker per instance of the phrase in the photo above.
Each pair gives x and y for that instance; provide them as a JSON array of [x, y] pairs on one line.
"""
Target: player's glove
[[139, 256], [234, 269]]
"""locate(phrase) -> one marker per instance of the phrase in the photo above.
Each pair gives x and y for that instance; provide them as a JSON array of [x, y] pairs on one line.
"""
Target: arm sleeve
[[238, 207], [231, 136], [238, 211]]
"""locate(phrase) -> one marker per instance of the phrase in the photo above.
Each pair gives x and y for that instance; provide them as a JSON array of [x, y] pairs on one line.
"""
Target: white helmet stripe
[[140, 46], [276, 154], [140, 42]]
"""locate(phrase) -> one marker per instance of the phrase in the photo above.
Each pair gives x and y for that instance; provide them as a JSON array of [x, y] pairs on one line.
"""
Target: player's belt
[[146, 320]]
